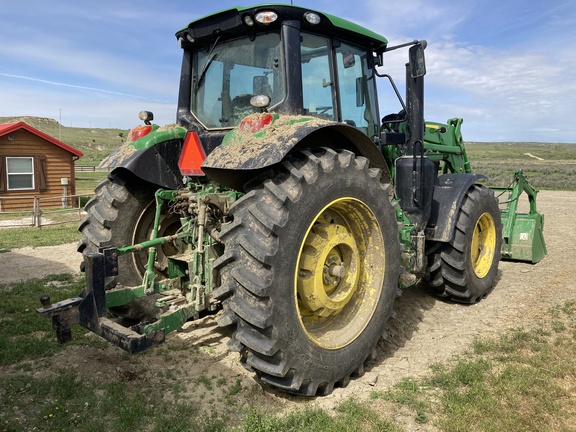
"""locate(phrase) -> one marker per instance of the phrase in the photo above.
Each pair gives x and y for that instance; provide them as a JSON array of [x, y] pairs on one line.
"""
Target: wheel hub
[[328, 270], [340, 272]]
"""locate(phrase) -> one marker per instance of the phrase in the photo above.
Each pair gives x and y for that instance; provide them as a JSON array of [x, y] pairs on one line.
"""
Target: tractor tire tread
[[247, 272], [449, 272]]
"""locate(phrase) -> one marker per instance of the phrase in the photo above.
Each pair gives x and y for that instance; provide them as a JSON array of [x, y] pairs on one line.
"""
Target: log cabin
[[33, 164]]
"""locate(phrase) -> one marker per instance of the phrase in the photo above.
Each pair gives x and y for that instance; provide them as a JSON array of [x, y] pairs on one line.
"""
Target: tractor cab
[[237, 54]]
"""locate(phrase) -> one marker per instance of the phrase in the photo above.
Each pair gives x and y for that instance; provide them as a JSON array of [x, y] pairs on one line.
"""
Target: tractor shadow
[[410, 310], [205, 333]]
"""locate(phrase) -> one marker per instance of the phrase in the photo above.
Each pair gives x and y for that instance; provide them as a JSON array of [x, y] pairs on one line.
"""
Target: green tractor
[[283, 200]]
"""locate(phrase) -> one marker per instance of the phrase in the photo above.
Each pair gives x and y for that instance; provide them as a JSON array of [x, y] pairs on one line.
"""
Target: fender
[[449, 191], [153, 158], [254, 146]]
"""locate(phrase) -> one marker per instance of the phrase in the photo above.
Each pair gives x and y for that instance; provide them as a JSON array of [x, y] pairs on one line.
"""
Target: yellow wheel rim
[[340, 273], [483, 245]]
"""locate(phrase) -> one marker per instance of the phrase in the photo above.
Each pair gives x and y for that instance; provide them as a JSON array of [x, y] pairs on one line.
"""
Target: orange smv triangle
[[192, 155]]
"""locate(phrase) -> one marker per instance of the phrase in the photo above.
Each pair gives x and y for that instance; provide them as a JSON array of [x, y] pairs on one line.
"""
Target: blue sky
[[508, 67]]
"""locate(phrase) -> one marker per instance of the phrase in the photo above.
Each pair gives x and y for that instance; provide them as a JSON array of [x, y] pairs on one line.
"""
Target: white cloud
[[73, 86], [79, 107], [517, 90], [521, 91], [55, 56]]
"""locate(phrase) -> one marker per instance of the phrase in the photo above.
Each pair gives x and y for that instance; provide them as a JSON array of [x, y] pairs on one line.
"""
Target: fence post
[[37, 213]]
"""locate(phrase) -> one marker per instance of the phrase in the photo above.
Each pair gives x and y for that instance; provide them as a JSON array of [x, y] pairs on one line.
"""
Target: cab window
[[356, 88], [227, 74], [317, 77]]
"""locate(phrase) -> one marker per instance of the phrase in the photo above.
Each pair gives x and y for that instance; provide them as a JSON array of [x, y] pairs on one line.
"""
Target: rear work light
[[138, 132], [266, 17], [312, 17], [192, 156]]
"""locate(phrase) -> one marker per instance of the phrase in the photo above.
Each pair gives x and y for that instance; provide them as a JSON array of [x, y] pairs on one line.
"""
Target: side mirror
[[379, 58], [417, 62]]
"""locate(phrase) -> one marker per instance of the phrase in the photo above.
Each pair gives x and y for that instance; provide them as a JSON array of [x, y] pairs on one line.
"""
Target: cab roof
[[231, 23]]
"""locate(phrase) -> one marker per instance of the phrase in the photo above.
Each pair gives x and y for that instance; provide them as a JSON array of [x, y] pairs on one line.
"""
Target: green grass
[[525, 370], [67, 402], [550, 177], [350, 415], [26, 335], [522, 380], [408, 393], [86, 182], [49, 235], [40, 394], [498, 161], [517, 150]]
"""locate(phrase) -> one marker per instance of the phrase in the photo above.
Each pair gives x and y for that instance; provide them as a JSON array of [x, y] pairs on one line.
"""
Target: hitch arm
[[89, 308]]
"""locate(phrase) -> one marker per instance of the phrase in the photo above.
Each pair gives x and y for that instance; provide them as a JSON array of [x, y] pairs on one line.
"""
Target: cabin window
[[227, 74], [357, 88], [317, 77], [20, 173]]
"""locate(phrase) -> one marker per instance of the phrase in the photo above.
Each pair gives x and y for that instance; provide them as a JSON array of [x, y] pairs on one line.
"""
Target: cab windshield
[[227, 74]]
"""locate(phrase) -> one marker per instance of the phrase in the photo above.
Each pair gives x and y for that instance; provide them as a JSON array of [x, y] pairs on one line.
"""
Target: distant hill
[[549, 165], [93, 142]]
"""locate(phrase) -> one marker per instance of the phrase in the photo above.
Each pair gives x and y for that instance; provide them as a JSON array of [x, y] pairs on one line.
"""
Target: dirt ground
[[426, 330]]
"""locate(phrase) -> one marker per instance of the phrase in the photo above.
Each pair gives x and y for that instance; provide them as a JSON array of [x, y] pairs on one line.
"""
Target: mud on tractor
[[282, 200]]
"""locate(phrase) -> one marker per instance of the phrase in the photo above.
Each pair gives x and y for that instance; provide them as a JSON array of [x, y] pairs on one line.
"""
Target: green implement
[[523, 238]]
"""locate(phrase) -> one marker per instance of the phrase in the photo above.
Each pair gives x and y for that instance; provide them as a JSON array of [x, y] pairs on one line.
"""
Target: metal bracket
[[89, 308]]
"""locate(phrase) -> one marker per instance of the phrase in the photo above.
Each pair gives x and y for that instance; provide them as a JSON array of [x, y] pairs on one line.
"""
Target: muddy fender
[[153, 158], [243, 154], [449, 191]]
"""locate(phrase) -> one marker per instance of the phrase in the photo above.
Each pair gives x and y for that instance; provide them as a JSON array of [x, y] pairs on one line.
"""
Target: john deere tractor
[[283, 201]]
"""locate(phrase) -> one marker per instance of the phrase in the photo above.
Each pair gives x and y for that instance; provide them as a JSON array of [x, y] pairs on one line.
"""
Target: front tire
[[310, 271], [465, 268]]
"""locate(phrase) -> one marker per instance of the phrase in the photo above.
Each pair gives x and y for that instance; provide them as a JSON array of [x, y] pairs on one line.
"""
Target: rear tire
[[121, 213], [305, 322], [465, 268]]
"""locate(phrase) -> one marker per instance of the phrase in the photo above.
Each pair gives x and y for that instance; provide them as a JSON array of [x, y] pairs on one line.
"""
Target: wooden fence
[[90, 168], [44, 211], [84, 168]]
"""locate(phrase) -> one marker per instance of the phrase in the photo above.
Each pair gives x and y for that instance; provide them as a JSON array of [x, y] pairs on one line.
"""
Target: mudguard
[[246, 151], [153, 158], [449, 191]]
